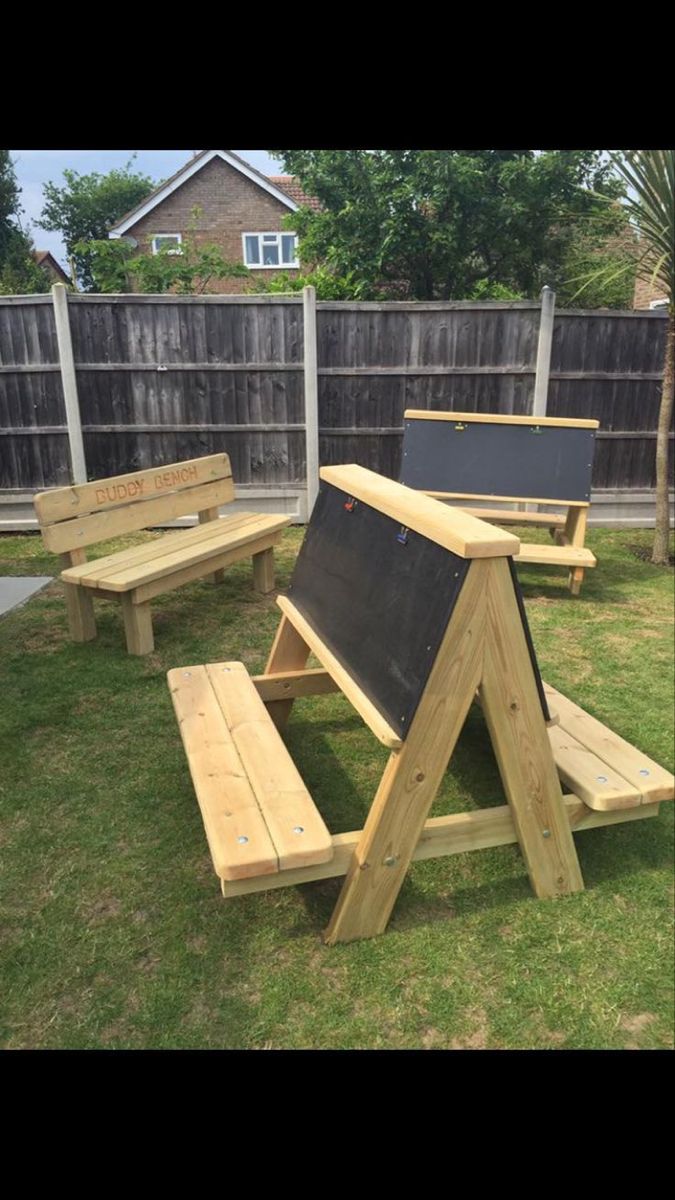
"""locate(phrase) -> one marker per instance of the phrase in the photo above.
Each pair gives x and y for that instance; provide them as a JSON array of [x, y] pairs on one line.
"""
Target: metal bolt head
[[242, 840], [187, 674], [298, 829], [390, 861], [546, 833], [644, 771], [601, 778]]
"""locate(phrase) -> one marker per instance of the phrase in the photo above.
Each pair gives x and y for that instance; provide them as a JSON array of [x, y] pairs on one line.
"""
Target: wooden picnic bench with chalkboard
[[530, 460], [414, 611], [73, 518]]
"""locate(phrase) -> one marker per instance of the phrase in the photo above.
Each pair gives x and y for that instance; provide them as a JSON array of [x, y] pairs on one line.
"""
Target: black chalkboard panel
[[545, 462], [380, 597]]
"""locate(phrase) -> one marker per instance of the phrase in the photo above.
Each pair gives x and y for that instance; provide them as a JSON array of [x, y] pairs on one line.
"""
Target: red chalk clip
[[350, 504]]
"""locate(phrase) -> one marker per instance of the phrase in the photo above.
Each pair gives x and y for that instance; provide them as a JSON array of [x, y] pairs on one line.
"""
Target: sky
[[37, 167]]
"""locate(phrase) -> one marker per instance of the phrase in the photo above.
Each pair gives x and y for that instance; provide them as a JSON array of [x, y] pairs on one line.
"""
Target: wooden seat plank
[[238, 837], [156, 548], [124, 578], [559, 556], [294, 822], [650, 780], [597, 784], [510, 517]]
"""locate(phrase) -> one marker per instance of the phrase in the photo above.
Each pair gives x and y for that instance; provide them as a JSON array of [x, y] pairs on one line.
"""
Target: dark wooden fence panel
[[170, 377]]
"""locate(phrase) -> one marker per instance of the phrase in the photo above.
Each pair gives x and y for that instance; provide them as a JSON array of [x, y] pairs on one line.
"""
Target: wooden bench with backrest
[[479, 456], [414, 611], [73, 518]]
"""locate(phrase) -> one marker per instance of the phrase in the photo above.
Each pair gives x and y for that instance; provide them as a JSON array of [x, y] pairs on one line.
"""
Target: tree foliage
[[19, 273], [117, 266], [446, 224], [86, 206]]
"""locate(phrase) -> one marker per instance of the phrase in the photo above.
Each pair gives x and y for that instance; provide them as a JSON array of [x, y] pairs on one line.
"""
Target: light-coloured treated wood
[[296, 827], [79, 607], [113, 522], [238, 837], [346, 682], [168, 583], [292, 684], [122, 577], [650, 780], [210, 515], [289, 653], [137, 626], [575, 534], [597, 784], [63, 504], [423, 414], [557, 556], [522, 748], [94, 569], [441, 836], [510, 499], [263, 571], [412, 775], [506, 517], [448, 527]]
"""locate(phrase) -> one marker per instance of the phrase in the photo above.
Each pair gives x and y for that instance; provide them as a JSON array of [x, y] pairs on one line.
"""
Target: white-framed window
[[663, 303], [160, 240], [267, 251]]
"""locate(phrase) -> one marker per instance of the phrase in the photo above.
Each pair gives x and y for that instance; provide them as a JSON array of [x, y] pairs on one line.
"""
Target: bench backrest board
[[91, 512], [473, 455], [379, 591]]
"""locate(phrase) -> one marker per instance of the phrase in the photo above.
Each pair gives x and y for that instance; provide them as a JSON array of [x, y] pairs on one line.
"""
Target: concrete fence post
[[311, 396], [543, 368], [69, 381]]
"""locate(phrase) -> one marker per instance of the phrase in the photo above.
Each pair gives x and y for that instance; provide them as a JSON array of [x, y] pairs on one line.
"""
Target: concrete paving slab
[[15, 590]]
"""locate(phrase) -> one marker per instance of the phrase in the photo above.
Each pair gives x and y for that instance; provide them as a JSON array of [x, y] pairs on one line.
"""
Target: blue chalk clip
[[402, 535]]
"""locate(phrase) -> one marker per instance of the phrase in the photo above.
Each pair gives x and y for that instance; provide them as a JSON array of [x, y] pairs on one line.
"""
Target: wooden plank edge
[[346, 683], [424, 414], [441, 836], [292, 685], [453, 529]]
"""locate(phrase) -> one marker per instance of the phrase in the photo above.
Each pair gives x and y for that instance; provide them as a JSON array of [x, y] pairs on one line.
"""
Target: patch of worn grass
[[113, 932]]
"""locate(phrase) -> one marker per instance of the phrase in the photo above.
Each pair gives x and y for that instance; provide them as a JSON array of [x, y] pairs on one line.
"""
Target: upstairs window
[[268, 250], [161, 240]]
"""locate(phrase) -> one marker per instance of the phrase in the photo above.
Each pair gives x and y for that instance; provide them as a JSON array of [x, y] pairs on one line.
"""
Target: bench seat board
[[598, 785], [557, 556], [509, 517], [165, 557], [228, 804], [224, 696], [651, 781]]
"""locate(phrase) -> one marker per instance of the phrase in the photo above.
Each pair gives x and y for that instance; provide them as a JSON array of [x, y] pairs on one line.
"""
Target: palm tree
[[650, 205]]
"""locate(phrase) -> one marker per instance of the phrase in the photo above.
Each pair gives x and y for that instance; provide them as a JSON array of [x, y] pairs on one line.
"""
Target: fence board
[[167, 377]]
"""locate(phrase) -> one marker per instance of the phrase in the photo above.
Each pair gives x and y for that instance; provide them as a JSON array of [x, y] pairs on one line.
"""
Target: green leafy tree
[[648, 177], [84, 209], [19, 273], [444, 224]]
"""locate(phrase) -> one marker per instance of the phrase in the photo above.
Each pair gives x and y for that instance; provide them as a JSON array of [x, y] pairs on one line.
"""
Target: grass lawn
[[114, 933]]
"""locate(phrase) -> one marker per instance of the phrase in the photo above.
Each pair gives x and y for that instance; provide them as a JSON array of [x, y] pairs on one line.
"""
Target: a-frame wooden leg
[[512, 709], [289, 653], [137, 626], [206, 515], [413, 773], [574, 534]]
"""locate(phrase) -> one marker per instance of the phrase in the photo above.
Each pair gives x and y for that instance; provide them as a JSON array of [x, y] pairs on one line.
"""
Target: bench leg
[[289, 653], [211, 514], [80, 609], [263, 571], [137, 626], [576, 578]]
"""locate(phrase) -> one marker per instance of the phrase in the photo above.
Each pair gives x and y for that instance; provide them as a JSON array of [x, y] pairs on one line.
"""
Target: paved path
[[14, 590]]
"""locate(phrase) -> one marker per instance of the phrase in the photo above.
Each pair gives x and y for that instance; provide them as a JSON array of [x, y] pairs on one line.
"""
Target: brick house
[[240, 210], [649, 295], [54, 272]]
